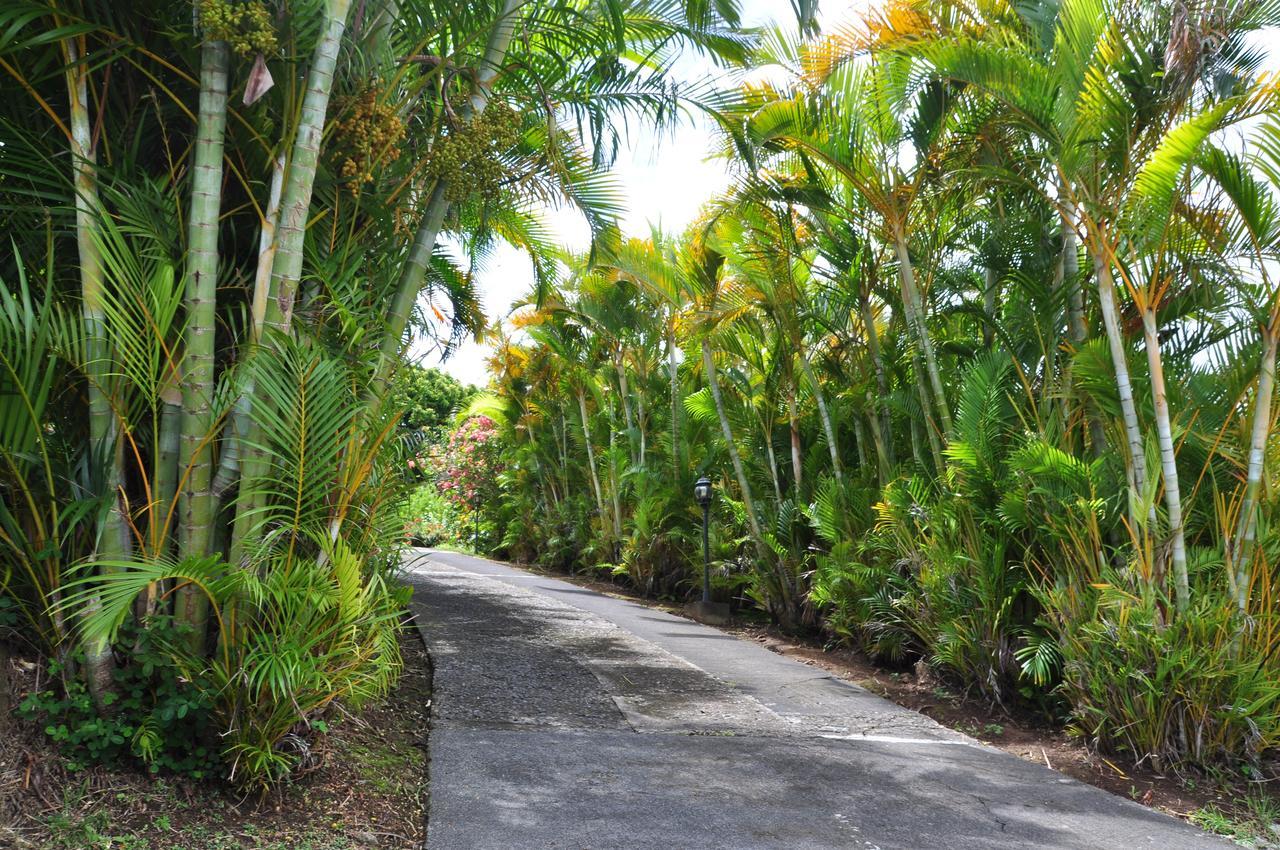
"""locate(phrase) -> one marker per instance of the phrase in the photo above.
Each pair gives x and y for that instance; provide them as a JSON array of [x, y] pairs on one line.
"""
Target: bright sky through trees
[[665, 178]]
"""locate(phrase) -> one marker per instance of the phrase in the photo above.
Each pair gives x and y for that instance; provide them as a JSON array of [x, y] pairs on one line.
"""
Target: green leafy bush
[[429, 518], [1196, 689], [155, 717]]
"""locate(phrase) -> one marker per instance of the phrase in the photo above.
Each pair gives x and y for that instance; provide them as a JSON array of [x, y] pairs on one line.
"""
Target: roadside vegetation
[[979, 350], [225, 222]]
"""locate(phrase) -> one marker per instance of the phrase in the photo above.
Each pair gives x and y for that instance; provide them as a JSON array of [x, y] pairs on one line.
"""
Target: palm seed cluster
[[467, 158], [246, 27], [368, 137]]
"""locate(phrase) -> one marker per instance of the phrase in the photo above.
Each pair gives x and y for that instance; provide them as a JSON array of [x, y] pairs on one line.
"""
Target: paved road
[[566, 719]]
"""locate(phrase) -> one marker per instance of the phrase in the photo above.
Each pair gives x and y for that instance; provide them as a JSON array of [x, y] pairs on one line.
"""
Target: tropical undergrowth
[[978, 352]]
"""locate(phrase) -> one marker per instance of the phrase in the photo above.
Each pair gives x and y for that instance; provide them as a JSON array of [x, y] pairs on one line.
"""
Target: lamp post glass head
[[702, 491]]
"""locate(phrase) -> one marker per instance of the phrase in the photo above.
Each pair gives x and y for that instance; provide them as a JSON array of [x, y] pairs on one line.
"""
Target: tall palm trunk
[[1068, 275], [164, 481], [883, 464], [1168, 460], [104, 438], [930, 429], [825, 415], [295, 207], [229, 458], [1071, 276], [1261, 430], [196, 503], [990, 286], [771, 457], [673, 373], [793, 426], [753, 521], [1115, 341], [591, 453], [168, 450], [624, 391], [913, 307], [642, 421], [416, 264], [860, 441], [615, 495], [877, 362]]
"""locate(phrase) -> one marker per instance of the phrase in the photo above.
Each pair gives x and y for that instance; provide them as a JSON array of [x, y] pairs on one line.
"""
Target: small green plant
[[429, 518], [1215, 820], [153, 718]]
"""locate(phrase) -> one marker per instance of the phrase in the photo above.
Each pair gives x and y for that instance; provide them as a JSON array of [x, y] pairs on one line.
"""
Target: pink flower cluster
[[470, 466]]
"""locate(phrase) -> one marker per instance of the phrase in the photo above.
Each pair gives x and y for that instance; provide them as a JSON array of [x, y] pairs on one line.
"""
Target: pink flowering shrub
[[469, 467]]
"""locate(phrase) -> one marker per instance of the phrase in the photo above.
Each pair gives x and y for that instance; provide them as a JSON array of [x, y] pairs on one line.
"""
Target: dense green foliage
[[431, 400], [980, 352], [225, 221]]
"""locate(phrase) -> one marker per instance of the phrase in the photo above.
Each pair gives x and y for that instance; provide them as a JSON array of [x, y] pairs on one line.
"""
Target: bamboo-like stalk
[[642, 421], [914, 310], [990, 285], [748, 502], [929, 424], [1260, 431], [113, 541], [825, 416], [625, 392], [414, 273], [793, 425], [295, 206], [286, 269], [1071, 276], [591, 452], [229, 458], [772, 457], [1115, 341], [165, 479], [673, 375], [1168, 461], [1068, 275], [883, 464], [615, 495], [168, 452], [196, 502], [877, 362]]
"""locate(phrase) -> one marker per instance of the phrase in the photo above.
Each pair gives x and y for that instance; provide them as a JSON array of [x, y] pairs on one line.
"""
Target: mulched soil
[[369, 789]]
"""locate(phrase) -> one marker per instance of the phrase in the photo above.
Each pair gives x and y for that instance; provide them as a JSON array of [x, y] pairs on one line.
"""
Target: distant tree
[[430, 398]]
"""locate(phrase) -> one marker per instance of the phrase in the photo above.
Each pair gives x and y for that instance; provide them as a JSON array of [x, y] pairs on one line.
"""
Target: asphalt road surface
[[566, 719]]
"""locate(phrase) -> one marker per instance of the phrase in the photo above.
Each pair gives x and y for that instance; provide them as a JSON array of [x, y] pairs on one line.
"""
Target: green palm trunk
[[673, 376], [1168, 461], [825, 415], [1119, 361], [748, 502], [414, 274], [286, 270], [1260, 431], [914, 310], [113, 542], [591, 452], [229, 458], [191, 606]]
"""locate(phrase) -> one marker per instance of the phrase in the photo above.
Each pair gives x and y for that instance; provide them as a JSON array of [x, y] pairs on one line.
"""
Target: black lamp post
[[702, 493]]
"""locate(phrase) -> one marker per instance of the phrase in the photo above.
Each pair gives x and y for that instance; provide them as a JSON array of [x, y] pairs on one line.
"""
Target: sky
[[665, 180]]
